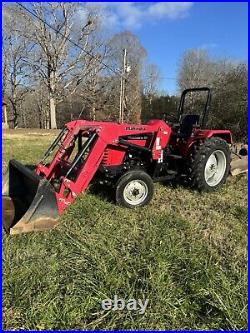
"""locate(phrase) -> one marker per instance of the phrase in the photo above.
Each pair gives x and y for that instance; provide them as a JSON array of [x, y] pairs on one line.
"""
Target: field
[[186, 252]]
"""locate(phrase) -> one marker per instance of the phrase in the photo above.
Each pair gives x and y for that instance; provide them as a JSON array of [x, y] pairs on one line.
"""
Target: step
[[176, 157]]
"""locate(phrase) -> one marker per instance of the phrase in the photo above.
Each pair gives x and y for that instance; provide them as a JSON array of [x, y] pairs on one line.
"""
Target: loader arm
[[84, 175]]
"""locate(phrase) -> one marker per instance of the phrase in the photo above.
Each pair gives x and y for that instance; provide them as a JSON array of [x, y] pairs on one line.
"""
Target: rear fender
[[206, 134]]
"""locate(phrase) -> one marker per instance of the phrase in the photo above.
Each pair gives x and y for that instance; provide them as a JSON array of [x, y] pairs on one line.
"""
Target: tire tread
[[200, 152]]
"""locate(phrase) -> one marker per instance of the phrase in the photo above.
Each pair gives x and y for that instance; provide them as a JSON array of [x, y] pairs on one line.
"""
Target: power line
[[77, 45], [68, 39]]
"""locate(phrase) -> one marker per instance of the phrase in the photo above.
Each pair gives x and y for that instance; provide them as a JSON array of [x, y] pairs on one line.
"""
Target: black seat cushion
[[187, 123]]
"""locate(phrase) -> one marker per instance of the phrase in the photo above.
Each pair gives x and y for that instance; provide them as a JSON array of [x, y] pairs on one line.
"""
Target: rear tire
[[134, 189], [209, 164]]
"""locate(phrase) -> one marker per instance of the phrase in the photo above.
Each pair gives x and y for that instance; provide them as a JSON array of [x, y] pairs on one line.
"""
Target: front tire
[[134, 189], [209, 164]]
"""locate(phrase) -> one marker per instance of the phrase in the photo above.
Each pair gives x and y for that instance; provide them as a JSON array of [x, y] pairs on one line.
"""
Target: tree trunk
[[15, 115], [5, 114], [52, 105], [93, 113], [52, 101], [40, 117], [24, 119], [23, 115], [47, 119]]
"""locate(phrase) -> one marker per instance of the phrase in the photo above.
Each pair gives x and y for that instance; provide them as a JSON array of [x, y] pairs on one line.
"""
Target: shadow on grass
[[107, 192], [176, 183], [103, 191]]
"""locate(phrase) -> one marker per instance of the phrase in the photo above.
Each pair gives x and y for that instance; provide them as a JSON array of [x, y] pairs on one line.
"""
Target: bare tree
[[196, 69], [16, 73], [228, 80], [230, 100], [61, 64], [151, 79], [90, 88]]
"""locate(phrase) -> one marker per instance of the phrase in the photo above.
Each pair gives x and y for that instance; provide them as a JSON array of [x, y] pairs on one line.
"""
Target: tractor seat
[[187, 123]]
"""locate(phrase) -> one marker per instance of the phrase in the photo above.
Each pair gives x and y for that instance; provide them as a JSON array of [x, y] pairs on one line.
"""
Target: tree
[[196, 69], [230, 101], [150, 79], [61, 64], [90, 89], [228, 81], [16, 73], [163, 107]]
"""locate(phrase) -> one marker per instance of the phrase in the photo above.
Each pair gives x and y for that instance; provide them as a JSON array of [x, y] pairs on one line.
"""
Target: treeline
[[228, 81], [48, 80], [57, 54]]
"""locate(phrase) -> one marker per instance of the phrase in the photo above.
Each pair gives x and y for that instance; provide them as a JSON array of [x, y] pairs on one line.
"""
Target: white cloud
[[172, 10], [133, 15]]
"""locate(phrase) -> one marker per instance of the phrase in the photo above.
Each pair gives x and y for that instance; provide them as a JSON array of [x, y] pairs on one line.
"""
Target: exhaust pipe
[[28, 201]]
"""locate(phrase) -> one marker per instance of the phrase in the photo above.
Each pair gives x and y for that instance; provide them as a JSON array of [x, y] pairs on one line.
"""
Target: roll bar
[[205, 112]]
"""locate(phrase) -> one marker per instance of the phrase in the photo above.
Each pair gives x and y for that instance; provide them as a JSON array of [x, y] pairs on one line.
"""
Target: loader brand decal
[[130, 128], [135, 137]]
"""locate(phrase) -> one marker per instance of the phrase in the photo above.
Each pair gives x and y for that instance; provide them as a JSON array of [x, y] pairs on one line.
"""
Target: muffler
[[28, 201]]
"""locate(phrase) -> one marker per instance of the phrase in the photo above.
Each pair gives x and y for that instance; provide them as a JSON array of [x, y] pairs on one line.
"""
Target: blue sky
[[168, 29]]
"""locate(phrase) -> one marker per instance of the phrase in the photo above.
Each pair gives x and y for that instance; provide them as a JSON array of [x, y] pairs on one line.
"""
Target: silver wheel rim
[[135, 192], [215, 168]]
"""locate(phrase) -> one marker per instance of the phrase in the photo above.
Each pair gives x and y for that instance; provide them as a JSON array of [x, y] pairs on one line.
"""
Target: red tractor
[[129, 157]]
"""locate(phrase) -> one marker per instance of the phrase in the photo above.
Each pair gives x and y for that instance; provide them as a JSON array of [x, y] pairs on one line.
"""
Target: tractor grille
[[105, 158]]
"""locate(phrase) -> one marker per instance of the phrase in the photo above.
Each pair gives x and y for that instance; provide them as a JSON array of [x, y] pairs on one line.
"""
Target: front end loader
[[128, 158], [34, 199]]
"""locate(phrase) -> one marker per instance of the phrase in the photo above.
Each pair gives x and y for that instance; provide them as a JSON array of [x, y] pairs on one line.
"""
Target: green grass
[[185, 252]]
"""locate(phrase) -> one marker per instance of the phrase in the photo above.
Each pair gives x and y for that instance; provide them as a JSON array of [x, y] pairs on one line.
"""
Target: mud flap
[[28, 201]]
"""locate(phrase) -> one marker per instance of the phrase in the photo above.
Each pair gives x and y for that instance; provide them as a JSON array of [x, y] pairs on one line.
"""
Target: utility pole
[[122, 87]]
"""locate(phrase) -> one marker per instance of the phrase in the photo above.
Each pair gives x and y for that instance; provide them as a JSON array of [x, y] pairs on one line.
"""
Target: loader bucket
[[28, 201]]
